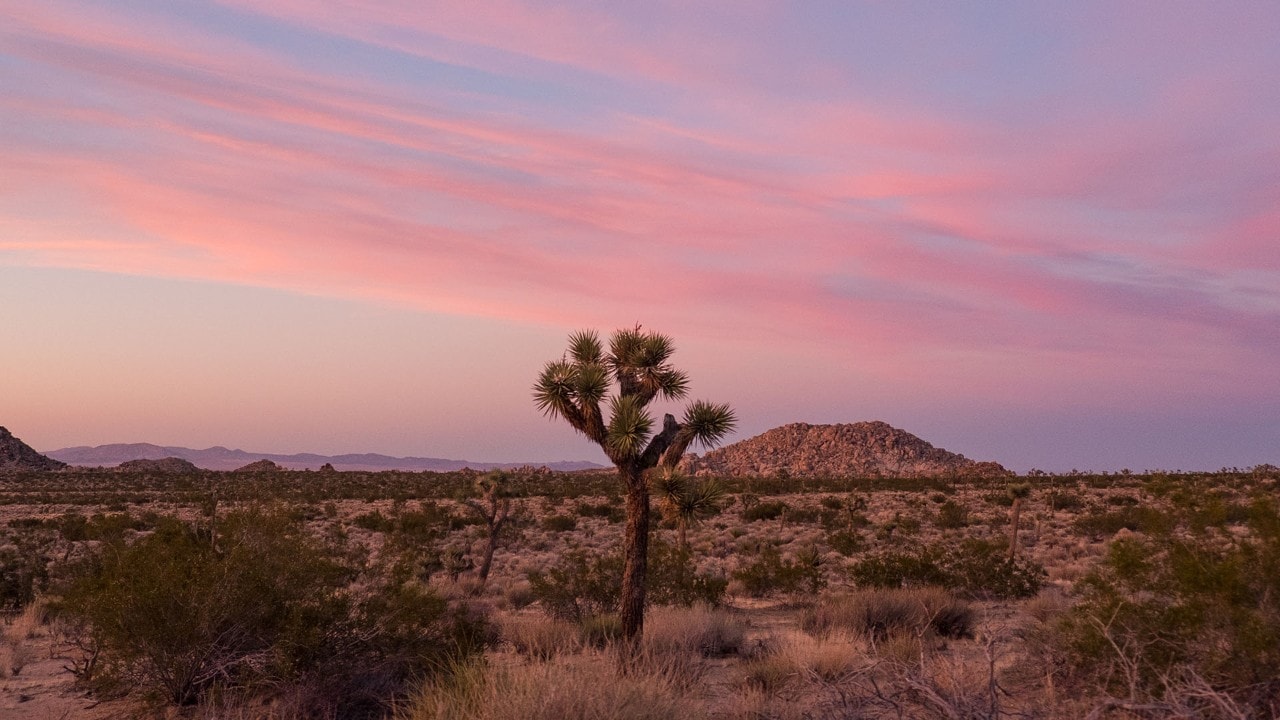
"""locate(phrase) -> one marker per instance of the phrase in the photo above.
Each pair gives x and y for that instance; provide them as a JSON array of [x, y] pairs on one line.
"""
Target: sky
[[1045, 234]]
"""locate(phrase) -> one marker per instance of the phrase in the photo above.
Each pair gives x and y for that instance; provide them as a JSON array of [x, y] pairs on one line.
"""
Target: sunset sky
[[1046, 234]]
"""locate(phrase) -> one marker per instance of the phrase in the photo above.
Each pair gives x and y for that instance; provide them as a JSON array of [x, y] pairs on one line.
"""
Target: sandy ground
[[44, 689]]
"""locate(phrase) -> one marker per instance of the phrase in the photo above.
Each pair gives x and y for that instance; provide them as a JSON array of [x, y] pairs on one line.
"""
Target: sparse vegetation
[[184, 617], [1155, 594]]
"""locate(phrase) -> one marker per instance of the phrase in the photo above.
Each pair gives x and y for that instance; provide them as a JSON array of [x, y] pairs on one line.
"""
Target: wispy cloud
[[659, 169]]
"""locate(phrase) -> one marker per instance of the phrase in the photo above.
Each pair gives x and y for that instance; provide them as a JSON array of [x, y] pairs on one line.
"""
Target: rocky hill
[[168, 466], [866, 449], [17, 455], [263, 465]]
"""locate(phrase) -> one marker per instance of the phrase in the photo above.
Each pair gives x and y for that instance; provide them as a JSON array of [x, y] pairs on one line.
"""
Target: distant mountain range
[[864, 449], [220, 458]]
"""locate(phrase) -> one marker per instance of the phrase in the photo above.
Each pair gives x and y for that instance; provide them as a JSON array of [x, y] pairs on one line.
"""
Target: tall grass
[[590, 689], [880, 613]]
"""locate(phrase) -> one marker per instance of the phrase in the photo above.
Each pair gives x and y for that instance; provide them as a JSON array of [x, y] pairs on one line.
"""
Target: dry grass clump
[[796, 659], [700, 629], [592, 689], [540, 639], [879, 613], [825, 659]]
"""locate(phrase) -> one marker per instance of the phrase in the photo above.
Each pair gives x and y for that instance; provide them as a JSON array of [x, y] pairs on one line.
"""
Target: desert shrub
[[24, 569], [769, 573], [174, 614], [611, 512], [846, 542], [831, 503], [982, 569], [764, 511], [559, 523], [907, 524], [374, 521], [1065, 500], [1133, 518], [1216, 511], [802, 515], [520, 596], [999, 498], [882, 612], [426, 523], [674, 580], [900, 568], [579, 586], [1157, 609], [1121, 500], [975, 568], [952, 516]]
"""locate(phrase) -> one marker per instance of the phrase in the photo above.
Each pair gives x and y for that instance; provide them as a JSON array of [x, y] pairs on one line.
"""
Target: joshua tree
[[494, 507], [575, 387], [1017, 493], [686, 502]]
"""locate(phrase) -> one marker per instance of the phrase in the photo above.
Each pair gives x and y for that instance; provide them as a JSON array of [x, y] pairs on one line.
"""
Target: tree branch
[[660, 442]]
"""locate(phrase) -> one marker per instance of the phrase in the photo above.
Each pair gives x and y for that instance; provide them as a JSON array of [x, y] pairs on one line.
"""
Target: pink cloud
[[888, 229]]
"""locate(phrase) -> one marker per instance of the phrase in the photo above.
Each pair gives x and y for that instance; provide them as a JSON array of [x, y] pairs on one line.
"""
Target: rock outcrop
[[169, 465], [17, 455], [262, 465], [865, 449]]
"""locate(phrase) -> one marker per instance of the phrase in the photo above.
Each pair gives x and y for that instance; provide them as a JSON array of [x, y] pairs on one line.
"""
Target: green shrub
[[1065, 500], [846, 542], [24, 569], [1162, 607], [952, 516], [901, 568], [263, 605], [674, 580], [1133, 518], [975, 568], [764, 511], [768, 573], [559, 523], [1121, 500], [982, 569], [611, 512], [579, 586], [802, 515], [374, 521]]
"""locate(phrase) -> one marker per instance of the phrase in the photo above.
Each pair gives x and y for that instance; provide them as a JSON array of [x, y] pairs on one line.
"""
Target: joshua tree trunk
[[489, 546], [636, 552], [682, 534], [486, 562], [1013, 533]]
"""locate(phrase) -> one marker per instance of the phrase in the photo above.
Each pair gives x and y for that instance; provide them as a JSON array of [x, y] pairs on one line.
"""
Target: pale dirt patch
[[45, 690]]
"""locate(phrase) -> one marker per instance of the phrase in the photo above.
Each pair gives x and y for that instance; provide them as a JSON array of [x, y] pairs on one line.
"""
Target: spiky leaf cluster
[[578, 385]]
